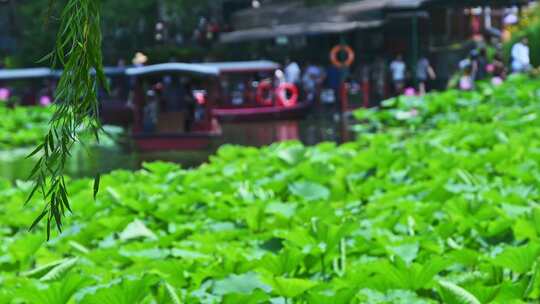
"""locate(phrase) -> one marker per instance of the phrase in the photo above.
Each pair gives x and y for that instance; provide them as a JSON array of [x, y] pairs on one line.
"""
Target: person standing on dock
[[521, 60], [424, 72], [293, 72], [398, 69], [151, 111], [482, 62], [311, 81], [378, 76]]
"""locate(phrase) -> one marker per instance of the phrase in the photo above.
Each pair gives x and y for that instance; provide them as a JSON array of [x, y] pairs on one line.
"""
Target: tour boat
[[172, 106], [248, 91]]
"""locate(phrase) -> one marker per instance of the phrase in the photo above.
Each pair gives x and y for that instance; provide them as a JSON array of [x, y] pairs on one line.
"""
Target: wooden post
[[365, 91], [344, 97]]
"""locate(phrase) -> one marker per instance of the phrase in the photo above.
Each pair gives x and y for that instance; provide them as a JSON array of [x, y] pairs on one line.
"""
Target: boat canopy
[[113, 71], [188, 68], [243, 66], [13, 74], [108, 70], [207, 68]]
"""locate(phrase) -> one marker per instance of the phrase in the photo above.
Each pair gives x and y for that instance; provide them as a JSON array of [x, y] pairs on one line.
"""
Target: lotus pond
[[438, 202], [23, 128]]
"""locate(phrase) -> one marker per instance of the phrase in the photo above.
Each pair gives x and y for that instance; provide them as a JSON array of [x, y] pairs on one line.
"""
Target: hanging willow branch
[[78, 52]]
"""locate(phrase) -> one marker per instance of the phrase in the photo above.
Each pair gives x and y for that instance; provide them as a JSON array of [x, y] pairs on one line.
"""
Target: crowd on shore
[[478, 66], [382, 78]]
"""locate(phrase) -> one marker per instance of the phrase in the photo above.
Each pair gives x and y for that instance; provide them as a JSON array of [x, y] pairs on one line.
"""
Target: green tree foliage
[[127, 27], [78, 52]]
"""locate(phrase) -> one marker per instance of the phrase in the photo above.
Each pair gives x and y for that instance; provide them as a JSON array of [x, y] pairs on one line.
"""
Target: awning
[[13, 74], [206, 68], [297, 29], [294, 18], [173, 67], [492, 3], [355, 7], [243, 66]]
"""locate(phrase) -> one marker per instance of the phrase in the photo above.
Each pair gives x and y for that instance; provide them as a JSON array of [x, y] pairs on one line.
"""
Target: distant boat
[[167, 114], [240, 93]]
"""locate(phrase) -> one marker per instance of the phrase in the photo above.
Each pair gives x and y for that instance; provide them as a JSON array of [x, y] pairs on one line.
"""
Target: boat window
[[173, 104], [27, 92], [119, 87], [241, 89]]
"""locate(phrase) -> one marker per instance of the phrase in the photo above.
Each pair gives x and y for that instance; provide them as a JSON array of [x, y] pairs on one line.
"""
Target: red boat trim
[[256, 110]]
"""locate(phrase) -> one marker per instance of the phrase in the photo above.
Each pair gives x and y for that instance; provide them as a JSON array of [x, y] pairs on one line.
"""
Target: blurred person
[[362, 74], [311, 81], [191, 106], [46, 93], [5, 92], [332, 85], [378, 76], [473, 63], [279, 77], [424, 72], [499, 70], [150, 111], [398, 70], [213, 29], [466, 81], [139, 59], [121, 63], [316, 72], [173, 93], [293, 72], [521, 60], [481, 65], [460, 80]]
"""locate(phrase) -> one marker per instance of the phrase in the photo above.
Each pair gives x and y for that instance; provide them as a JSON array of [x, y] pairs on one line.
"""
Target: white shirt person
[[398, 69], [521, 60], [293, 72]]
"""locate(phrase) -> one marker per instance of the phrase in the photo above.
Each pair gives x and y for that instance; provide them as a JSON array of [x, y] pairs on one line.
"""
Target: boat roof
[[206, 68], [114, 70], [13, 74], [108, 70], [243, 66], [187, 68]]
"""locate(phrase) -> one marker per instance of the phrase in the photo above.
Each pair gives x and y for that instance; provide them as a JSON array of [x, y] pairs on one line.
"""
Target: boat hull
[[261, 113], [116, 113]]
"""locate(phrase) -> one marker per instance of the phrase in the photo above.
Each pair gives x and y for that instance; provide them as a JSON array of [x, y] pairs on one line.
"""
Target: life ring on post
[[287, 94], [334, 56], [263, 96]]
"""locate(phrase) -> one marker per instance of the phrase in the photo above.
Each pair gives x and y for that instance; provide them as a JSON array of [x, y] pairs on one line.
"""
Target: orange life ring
[[263, 97], [334, 56], [282, 91]]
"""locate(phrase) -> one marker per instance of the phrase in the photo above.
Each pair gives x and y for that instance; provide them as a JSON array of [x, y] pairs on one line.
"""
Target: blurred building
[[374, 28]]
